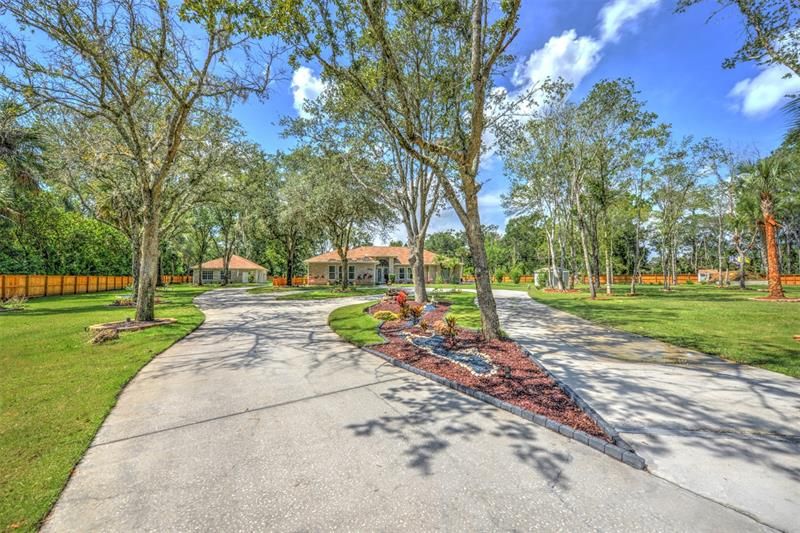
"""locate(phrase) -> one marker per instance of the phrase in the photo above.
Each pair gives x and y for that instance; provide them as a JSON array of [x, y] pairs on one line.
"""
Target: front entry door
[[382, 275]]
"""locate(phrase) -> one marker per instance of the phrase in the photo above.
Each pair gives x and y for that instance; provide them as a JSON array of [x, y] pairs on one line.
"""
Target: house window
[[351, 272], [331, 271], [402, 272], [207, 275]]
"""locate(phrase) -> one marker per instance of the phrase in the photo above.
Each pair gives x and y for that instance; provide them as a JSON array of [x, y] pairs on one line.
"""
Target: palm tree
[[20, 157], [766, 176]]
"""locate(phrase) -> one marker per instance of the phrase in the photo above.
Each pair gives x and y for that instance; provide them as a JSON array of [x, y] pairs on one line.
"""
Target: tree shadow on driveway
[[432, 419]]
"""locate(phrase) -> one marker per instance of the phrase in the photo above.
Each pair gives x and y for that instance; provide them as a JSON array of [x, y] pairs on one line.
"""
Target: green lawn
[[724, 322], [463, 308], [326, 293], [56, 389], [353, 324], [270, 289], [471, 285]]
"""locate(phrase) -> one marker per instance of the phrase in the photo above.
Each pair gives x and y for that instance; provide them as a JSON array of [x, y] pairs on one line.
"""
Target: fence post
[[45, 284], [27, 284], [2, 287]]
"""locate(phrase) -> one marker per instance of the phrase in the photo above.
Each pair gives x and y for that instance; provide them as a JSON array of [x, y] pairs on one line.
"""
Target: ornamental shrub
[[415, 311], [401, 298], [516, 274], [498, 276], [385, 315]]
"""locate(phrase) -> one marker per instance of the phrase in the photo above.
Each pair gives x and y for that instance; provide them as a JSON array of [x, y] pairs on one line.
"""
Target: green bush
[[498, 276], [516, 275], [385, 315]]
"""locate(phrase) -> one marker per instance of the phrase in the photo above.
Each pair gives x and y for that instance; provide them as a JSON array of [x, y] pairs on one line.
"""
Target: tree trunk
[[609, 274], [136, 252], [490, 323], [773, 259], [719, 253], [418, 266], [148, 271], [290, 263], [742, 284]]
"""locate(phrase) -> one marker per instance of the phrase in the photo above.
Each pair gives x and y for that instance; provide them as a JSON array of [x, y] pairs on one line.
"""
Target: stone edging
[[585, 407], [612, 450]]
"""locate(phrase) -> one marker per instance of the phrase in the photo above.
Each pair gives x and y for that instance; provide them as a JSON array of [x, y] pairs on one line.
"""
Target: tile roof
[[373, 253], [236, 263]]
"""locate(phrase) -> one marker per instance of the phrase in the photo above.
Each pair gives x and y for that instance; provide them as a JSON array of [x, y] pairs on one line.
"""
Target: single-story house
[[241, 271], [373, 265]]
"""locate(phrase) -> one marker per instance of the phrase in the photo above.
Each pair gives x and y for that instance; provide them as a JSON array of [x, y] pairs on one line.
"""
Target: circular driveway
[[262, 419]]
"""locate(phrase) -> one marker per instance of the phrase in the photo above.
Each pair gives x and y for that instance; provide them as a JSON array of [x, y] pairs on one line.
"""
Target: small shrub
[[447, 328], [385, 315], [15, 303], [516, 275], [498, 276], [405, 310], [391, 279], [424, 326], [105, 335], [401, 298], [416, 312]]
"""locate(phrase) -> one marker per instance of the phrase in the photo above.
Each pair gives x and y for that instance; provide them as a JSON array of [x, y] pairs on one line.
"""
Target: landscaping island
[[431, 339]]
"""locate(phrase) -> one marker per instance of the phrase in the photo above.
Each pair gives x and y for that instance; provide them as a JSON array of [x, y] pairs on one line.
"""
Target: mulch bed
[[517, 380]]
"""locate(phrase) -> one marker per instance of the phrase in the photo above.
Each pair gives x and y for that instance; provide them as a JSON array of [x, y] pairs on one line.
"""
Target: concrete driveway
[[728, 432], [263, 419]]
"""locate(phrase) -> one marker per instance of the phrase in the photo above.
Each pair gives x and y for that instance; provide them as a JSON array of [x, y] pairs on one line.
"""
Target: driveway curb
[[614, 451]]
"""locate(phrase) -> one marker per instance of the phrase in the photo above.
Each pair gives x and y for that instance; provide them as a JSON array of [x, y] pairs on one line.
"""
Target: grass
[[723, 322], [354, 325], [471, 285], [56, 389], [270, 289], [327, 293], [463, 308]]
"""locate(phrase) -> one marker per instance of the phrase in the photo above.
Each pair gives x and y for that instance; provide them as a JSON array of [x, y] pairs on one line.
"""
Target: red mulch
[[518, 380]]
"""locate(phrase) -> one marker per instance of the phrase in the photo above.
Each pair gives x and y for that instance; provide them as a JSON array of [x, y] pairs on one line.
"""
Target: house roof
[[236, 263], [370, 254]]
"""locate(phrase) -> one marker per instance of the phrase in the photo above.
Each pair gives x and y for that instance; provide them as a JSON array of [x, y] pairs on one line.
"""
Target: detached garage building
[[241, 271]]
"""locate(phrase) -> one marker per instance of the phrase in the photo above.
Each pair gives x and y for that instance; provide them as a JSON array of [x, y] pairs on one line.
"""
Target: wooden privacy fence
[[790, 279], [33, 285], [280, 281], [646, 279]]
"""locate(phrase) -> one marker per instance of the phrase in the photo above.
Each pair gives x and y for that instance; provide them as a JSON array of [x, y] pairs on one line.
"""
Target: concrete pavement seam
[[246, 411]]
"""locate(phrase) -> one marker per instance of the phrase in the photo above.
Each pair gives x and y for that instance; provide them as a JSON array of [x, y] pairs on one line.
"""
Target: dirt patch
[[513, 377], [132, 325], [779, 300]]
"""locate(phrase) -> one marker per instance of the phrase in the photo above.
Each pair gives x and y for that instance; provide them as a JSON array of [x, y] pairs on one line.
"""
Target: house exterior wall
[[318, 273], [365, 273], [253, 276]]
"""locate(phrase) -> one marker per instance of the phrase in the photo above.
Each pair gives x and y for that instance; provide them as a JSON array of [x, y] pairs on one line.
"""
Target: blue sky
[[674, 59]]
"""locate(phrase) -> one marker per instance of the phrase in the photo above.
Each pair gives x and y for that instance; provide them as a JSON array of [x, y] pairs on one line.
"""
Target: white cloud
[[571, 56], [761, 94], [305, 86], [618, 13], [567, 56]]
